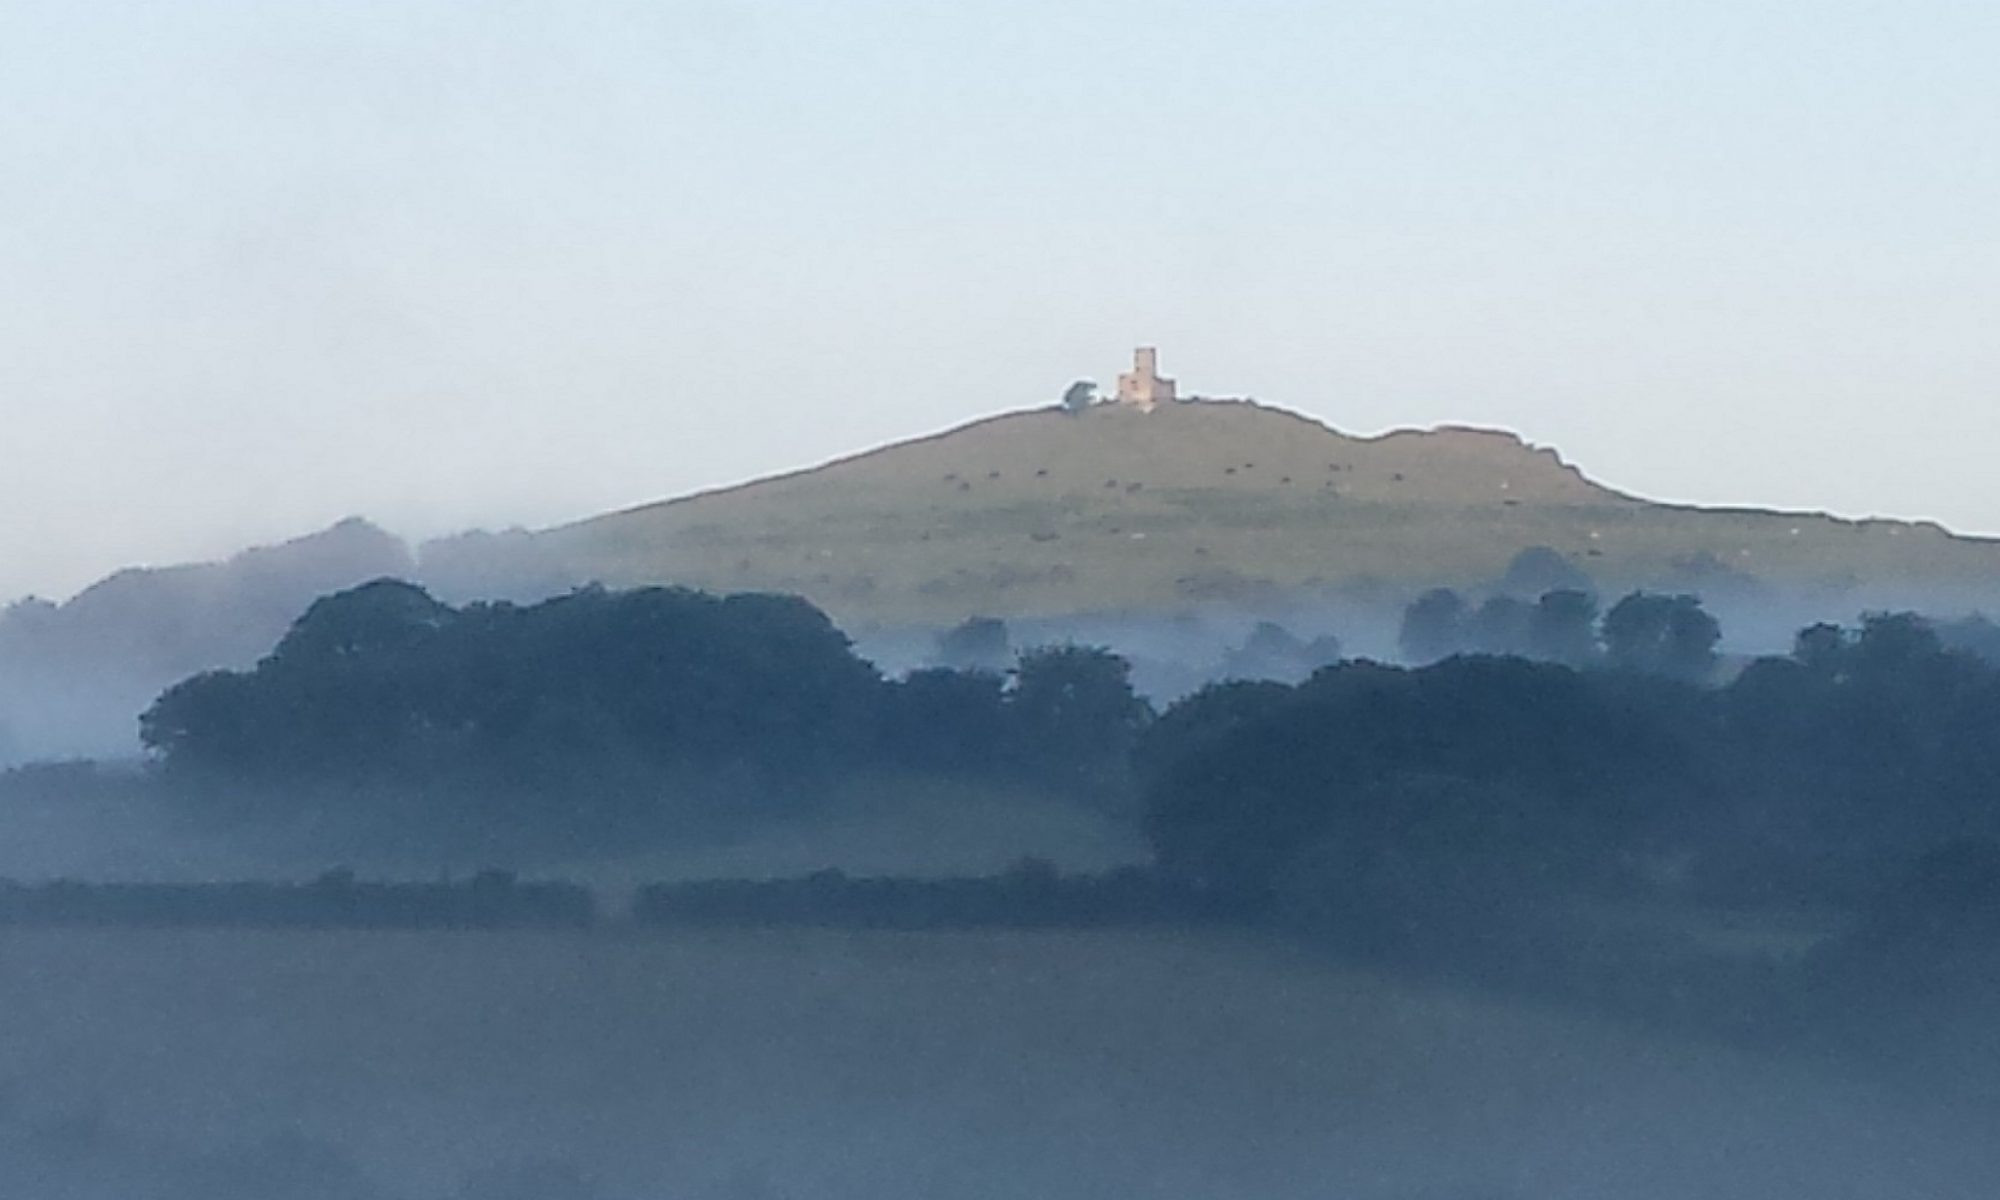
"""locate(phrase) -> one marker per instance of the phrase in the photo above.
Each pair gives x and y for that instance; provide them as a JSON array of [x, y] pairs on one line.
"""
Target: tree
[[1975, 634], [1079, 396], [1889, 641], [1662, 635], [212, 720], [544, 709], [1075, 714], [1530, 769], [1563, 628], [385, 617], [1273, 652], [1500, 626], [944, 719], [1433, 626], [1821, 648], [1213, 712]]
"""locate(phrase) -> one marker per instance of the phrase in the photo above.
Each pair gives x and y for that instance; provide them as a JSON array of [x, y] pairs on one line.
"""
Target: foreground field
[[823, 1064]]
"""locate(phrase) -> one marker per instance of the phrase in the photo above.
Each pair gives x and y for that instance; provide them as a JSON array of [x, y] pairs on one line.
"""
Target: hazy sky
[[266, 264]]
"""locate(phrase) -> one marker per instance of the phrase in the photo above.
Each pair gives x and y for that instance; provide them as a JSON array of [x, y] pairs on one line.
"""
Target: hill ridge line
[[1445, 429]]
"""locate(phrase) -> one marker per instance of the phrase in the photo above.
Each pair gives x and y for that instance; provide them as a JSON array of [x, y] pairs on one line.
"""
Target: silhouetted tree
[[1079, 396], [1534, 765], [1433, 626], [947, 720], [1563, 628], [1821, 648], [383, 689], [1075, 713], [214, 721], [1273, 652], [383, 618], [1214, 712], [1663, 635], [1891, 640], [1500, 626]]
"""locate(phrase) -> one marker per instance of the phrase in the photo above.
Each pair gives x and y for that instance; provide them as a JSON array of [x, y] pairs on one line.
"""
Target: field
[[1043, 513], [835, 1065]]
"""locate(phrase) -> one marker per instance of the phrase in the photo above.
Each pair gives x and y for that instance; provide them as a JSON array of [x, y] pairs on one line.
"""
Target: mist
[[1526, 930], [621, 1067], [1098, 799]]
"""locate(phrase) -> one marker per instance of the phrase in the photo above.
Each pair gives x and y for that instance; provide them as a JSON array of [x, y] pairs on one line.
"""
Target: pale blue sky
[[266, 264]]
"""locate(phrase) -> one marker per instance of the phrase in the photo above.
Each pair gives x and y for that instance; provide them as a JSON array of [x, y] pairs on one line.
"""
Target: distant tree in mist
[[1271, 651], [1662, 635], [1500, 625], [1975, 635], [1433, 626], [1079, 396], [1563, 628]]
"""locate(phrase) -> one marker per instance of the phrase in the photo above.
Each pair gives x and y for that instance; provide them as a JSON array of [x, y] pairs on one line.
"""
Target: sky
[[264, 264]]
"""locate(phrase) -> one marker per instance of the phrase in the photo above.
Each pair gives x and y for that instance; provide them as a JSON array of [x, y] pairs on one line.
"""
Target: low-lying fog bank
[[872, 826], [339, 1066]]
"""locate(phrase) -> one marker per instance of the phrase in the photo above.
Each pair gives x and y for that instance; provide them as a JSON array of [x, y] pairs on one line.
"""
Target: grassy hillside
[[760, 1066], [1044, 513]]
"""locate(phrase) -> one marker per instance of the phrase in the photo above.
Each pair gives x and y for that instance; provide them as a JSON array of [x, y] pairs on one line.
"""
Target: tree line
[[335, 900], [1819, 773], [1645, 631], [592, 713], [601, 715]]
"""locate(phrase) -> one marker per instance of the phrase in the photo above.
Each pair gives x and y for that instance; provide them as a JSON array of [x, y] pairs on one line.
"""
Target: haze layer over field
[[835, 1065]]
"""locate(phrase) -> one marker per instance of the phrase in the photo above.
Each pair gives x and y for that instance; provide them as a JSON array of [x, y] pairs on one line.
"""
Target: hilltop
[[1044, 513]]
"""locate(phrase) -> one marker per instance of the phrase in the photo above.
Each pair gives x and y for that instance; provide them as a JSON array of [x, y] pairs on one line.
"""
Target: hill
[[74, 675], [1044, 513], [1034, 514]]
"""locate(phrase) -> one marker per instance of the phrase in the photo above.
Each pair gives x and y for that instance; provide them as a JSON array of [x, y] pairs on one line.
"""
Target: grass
[[833, 1065], [1044, 514]]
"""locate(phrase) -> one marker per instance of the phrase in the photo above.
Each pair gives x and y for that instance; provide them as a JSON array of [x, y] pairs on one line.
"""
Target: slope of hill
[[1043, 513], [73, 676]]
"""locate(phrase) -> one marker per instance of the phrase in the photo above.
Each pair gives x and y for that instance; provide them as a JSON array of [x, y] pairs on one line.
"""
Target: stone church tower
[[1143, 387]]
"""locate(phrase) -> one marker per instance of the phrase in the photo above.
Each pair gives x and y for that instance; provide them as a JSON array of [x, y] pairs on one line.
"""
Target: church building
[[1143, 386]]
